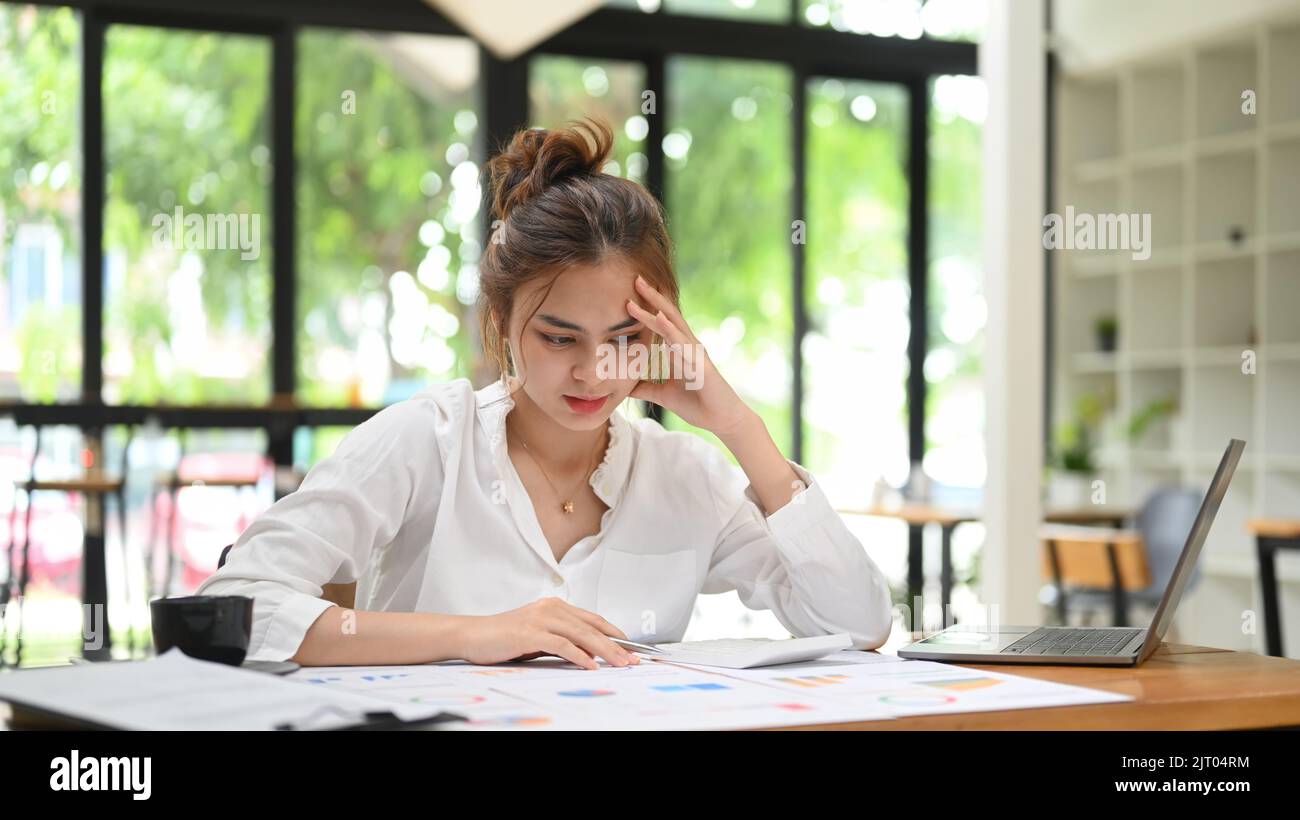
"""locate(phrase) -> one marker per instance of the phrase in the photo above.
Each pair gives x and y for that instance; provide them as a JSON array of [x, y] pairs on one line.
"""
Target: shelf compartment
[[1096, 197], [1223, 399], [1083, 303], [1160, 436], [1160, 192], [1155, 317], [1283, 67], [1281, 408], [1282, 320], [1283, 187], [1090, 116], [1159, 94], [1225, 207], [1224, 311], [1282, 496], [1223, 73]]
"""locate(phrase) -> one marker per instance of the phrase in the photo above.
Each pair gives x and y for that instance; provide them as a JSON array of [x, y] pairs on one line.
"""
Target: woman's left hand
[[694, 389]]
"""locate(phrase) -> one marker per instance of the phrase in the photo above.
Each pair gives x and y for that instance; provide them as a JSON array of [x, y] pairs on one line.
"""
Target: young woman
[[530, 517]]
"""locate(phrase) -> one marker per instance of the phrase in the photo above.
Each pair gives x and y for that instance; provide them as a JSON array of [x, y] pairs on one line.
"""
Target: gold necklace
[[567, 505]]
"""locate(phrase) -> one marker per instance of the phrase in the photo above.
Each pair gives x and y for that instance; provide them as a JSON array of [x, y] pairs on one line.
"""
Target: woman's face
[[558, 348]]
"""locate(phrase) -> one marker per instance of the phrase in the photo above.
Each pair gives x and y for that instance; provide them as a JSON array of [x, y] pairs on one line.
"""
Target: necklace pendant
[[567, 507]]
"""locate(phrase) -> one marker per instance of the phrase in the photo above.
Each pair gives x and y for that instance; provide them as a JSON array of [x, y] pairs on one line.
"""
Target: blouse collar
[[609, 478]]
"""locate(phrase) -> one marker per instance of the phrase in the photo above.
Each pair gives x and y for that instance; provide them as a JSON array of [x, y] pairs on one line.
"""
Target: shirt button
[[557, 579]]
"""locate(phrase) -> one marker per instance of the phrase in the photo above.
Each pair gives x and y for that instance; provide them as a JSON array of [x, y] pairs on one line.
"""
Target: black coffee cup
[[208, 627]]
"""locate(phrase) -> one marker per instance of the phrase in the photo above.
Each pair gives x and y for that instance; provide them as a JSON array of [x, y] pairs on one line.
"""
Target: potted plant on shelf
[[1152, 412], [1074, 461], [1107, 329]]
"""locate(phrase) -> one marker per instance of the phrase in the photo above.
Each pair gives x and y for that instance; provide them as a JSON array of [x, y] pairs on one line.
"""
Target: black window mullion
[[92, 208], [656, 75], [94, 575], [798, 256], [656, 81], [503, 98], [284, 374], [917, 262]]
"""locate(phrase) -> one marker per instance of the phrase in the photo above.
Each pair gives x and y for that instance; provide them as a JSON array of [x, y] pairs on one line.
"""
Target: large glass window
[[954, 369], [187, 296], [388, 155], [909, 19], [388, 215], [957, 313], [562, 89], [728, 168], [857, 296], [768, 11], [40, 204]]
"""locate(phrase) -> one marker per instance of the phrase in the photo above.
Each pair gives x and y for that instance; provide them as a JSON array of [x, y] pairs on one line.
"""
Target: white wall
[[1011, 63]]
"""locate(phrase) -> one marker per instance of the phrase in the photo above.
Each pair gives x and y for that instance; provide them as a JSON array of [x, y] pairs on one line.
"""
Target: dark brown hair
[[553, 207]]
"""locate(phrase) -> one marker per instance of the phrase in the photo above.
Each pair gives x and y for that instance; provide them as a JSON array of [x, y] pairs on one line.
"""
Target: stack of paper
[[175, 691]]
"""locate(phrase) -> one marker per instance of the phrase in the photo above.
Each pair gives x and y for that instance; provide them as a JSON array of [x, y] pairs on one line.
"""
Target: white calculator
[[742, 653]]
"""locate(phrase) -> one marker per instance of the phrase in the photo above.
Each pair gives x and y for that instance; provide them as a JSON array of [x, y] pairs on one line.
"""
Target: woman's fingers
[[662, 303], [596, 621], [658, 322], [651, 392], [592, 640], [561, 646], [574, 634], [655, 320]]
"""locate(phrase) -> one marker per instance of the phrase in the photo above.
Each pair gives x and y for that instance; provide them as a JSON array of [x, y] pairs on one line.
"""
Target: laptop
[[1088, 646]]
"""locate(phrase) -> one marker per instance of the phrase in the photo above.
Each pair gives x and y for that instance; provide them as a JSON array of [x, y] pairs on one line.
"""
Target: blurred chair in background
[[94, 483], [237, 471], [1095, 569]]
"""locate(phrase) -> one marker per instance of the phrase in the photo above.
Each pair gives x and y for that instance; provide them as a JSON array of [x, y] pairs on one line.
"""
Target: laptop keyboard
[[1071, 641]]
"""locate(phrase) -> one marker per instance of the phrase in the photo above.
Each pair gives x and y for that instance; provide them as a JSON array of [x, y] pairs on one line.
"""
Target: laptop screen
[[1192, 549]]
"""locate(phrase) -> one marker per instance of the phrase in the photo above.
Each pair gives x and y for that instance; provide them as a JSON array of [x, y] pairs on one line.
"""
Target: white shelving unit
[[1166, 135]]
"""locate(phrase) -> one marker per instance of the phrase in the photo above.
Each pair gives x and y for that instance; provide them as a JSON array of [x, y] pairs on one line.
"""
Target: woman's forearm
[[767, 470], [350, 637]]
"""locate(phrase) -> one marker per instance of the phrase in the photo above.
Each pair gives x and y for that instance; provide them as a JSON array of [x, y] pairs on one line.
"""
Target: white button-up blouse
[[421, 505]]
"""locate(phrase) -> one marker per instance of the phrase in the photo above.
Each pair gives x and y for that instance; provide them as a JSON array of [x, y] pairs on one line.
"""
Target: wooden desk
[[1180, 687]]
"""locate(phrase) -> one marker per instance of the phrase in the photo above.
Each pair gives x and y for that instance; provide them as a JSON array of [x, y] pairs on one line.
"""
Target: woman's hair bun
[[537, 158]]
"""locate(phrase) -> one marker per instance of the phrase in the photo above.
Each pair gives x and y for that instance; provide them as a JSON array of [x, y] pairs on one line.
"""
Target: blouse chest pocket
[[650, 596]]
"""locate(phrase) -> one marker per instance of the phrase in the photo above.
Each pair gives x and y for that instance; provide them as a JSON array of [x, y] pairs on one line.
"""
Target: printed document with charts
[[549, 693]]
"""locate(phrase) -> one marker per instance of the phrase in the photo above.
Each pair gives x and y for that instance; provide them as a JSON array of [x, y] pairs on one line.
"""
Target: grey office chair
[[1164, 521]]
